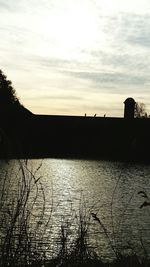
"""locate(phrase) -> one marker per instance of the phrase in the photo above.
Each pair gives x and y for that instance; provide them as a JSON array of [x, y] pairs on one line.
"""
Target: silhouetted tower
[[129, 108]]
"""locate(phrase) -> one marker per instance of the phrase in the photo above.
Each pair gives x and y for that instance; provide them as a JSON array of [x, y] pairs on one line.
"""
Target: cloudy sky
[[76, 56]]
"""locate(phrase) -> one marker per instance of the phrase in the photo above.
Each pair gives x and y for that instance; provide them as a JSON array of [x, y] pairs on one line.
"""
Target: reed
[[20, 225], [23, 240]]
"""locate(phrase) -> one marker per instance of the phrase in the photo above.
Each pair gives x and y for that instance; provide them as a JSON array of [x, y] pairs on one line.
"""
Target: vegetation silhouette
[[13, 117], [8, 98], [7, 92], [140, 110]]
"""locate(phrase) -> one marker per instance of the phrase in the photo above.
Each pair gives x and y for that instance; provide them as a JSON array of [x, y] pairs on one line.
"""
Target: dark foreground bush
[[124, 261]]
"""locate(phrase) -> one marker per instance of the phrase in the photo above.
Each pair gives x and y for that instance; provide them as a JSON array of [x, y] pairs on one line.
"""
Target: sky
[[71, 57]]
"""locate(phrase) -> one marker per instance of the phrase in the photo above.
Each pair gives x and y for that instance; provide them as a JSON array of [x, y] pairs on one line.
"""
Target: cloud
[[131, 29], [40, 56], [56, 97], [8, 5], [111, 78], [139, 33]]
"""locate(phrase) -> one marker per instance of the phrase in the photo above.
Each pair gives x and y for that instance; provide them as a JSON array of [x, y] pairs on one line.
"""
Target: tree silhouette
[[7, 92], [140, 110]]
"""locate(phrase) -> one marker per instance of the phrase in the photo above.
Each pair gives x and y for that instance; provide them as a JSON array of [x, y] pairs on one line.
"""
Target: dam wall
[[50, 136]]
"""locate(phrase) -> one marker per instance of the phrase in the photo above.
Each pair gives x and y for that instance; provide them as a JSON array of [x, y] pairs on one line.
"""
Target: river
[[106, 197]]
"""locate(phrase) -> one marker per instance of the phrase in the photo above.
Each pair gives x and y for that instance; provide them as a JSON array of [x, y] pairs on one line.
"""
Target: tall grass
[[20, 226], [23, 226], [23, 238]]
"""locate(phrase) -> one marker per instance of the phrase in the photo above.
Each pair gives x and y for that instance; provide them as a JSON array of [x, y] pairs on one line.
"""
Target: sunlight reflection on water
[[107, 189]]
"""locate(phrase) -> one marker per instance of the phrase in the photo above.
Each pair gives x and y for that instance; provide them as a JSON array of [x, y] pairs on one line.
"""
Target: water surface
[[76, 189]]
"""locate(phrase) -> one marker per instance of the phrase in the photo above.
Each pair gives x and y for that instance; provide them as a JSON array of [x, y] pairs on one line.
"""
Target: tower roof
[[129, 100]]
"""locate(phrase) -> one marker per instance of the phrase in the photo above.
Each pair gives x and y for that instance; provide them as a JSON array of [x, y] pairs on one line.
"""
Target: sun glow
[[78, 28], [72, 29], [62, 55]]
